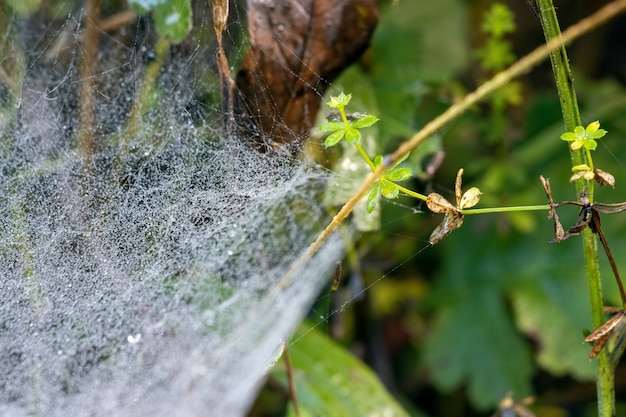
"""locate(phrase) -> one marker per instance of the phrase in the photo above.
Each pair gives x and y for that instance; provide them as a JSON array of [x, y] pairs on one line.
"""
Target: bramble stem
[[571, 117]]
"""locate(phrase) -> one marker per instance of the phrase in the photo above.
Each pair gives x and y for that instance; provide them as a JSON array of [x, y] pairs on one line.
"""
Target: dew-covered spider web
[[140, 266]]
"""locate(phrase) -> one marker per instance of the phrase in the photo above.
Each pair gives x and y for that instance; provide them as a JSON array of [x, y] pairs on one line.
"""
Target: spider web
[[147, 283]]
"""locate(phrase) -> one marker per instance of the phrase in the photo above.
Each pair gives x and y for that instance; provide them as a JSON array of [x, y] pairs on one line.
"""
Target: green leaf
[[496, 54], [365, 121], [331, 126], [597, 134], [579, 131], [498, 21], [560, 338], [350, 170], [340, 101], [353, 135], [24, 7], [389, 189], [172, 18], [372, 197], [590, 144], [569, 136], [399, 174], [473, 342], [577, 144], [592, 127], [407, 61], [399, 161], [331, 381], [334, 138]]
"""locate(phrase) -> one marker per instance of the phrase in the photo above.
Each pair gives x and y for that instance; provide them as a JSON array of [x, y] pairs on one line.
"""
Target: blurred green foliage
[[332, 381], [493, 308]]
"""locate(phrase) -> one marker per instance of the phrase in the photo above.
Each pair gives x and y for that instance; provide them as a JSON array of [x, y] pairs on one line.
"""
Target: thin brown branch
[[293, 395], [522, 66], [87, 70]]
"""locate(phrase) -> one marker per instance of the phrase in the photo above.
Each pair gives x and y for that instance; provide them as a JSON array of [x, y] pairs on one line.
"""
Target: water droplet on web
[[139, 243]]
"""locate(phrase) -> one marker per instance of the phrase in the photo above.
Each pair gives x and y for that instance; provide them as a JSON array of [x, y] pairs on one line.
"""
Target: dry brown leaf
[[470, 198], [451, 221], [603, 177], [439, 204], [297, 48]]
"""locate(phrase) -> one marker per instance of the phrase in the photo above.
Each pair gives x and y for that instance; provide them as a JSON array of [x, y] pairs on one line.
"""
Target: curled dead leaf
[[559, 231], [452, 220], [601, 335], [470, 198], [220, 15], [603, 177], [439, 204], [457, 186]]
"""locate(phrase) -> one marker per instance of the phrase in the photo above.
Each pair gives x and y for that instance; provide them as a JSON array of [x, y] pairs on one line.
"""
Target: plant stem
[[571, 117], [590, 164], [292, 381], [520, 67], [365, 156], [506, 209], [143, 98], [411, 193], [87, 70]]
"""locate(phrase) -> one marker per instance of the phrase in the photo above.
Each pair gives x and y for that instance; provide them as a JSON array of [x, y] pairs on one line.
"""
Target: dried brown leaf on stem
[[589, 216], [453, 214], [297, 48], [601, 335]]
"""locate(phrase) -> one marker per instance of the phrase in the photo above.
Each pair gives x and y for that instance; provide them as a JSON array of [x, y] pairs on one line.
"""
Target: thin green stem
[[411, 193], [146, 90], [364, 155], [520, 67], [571, 117], [589, 159], [506, 209], [346, 123], [342, 112]]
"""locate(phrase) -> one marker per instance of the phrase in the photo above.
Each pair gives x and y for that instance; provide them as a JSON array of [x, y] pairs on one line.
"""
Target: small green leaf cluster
[[386, 185], [585, 138], [342, 125], [497, 52]]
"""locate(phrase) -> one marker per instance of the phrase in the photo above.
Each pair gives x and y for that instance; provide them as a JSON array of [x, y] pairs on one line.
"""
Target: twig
[[293, 395], [520, 67], [87, 70]]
